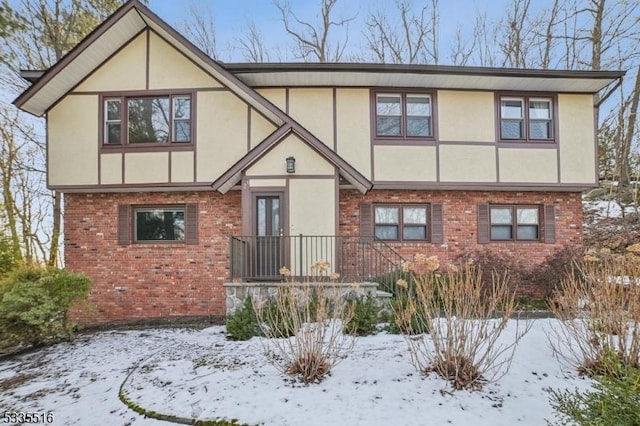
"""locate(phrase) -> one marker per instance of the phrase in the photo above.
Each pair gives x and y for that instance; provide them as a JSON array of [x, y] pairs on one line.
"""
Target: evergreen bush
[[243, 324], [34, 305], [365, 316]]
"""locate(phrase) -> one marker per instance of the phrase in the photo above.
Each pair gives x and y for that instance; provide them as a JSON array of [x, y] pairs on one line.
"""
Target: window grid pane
[[387, 215], [387, 232], [414, 232], [148, 120], [112, 124]]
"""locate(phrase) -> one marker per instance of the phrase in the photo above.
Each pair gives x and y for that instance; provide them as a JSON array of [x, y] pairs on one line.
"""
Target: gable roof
[[128, 21], [233, 175]]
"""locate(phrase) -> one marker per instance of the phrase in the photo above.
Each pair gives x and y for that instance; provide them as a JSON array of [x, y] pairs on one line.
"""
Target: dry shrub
[[303, 324], [547, 276], [466, 316], [599, 313]]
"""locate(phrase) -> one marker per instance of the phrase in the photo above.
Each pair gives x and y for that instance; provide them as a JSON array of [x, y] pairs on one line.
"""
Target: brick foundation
[[142, 281]]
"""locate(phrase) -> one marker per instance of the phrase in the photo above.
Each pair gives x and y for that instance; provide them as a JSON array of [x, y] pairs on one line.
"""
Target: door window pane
[[159, 224], [275, 216], [262, 217]]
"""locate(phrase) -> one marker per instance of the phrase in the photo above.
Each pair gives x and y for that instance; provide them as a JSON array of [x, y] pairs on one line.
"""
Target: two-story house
[[180, 173]]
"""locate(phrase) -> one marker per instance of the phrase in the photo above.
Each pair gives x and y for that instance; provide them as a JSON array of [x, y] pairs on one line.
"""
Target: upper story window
[[404, 116], [515, 223], [401, 222], [136, 120], [527, 118]]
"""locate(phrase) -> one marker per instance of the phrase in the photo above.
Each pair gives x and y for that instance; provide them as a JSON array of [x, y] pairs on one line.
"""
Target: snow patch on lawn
[[199, 374]]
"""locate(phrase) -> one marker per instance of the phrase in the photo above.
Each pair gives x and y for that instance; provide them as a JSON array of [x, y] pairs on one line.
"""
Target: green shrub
[[419, 321], [243, 324], [365, 316], [615, 399], [34, 305]]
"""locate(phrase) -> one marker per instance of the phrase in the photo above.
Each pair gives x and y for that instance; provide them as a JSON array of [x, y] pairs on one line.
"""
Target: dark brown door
[[268, 230]]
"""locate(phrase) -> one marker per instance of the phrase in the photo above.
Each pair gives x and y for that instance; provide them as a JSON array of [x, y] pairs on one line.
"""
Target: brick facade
[[460, 215], [143, 281]]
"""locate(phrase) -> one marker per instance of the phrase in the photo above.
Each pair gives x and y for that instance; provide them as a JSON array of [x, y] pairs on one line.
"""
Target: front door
[[268, 228]]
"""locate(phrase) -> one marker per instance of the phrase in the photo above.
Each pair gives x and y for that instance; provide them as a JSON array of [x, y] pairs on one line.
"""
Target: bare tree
[[411, 38], [313, 39], [251, 44], [200, 29]]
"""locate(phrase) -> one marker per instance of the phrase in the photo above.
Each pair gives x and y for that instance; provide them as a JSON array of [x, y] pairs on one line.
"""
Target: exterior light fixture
[[291, 165]]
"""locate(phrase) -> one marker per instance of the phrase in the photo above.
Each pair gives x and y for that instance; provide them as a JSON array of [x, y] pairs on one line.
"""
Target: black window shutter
[[437, 225], [549, 224], [483, 223], [191, 224], [124, 224], [366, 220]]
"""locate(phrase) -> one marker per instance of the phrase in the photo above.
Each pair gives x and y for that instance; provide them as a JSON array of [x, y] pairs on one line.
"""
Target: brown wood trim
[[335, 122], [248, 128], [194, 132], [596, 151], [437, 162], [47, 148], [147, 59], [114, 93], [478, 186], [526, 95], [286, 100], [369, 87], [169, 161], [134, 187]]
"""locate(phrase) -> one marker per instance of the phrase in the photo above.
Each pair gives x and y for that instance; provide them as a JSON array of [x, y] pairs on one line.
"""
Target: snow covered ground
[[199, 374]]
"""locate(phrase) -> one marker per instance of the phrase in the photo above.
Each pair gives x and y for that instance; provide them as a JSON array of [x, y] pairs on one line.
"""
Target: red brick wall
[[460, 220], [142, 281]]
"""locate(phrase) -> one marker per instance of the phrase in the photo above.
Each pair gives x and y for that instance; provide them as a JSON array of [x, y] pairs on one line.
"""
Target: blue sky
[[231, 16]]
